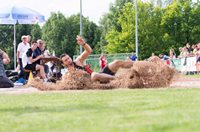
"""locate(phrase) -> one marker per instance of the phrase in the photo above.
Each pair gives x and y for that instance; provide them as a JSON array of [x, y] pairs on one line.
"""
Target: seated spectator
[[41, 50], [4, 81], [29, 63], [163, 57], [133, 57]]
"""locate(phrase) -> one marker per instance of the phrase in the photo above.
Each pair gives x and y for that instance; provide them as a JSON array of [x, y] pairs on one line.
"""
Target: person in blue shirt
[[133, 57], [163, 57]]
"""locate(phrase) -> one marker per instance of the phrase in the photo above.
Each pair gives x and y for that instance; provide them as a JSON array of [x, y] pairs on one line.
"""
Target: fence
[[93, 60], [185, 65]]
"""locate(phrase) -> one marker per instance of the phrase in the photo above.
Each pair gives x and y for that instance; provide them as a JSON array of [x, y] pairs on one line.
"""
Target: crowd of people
[[185, 52], [29, 58], [189, 50]]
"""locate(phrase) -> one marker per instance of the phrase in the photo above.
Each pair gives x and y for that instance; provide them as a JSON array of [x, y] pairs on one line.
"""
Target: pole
[[14, 45], [81, 50], [136, 28]]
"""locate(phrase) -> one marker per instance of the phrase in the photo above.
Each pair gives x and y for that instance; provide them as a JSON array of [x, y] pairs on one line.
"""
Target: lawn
[[190, 76], [102, 110]]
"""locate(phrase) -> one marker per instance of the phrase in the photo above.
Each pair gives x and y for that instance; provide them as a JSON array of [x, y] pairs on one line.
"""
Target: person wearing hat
[[21, 49]]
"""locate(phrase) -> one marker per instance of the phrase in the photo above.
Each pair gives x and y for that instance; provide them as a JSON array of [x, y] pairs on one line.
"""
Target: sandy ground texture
[[178, 83], [186, 82]]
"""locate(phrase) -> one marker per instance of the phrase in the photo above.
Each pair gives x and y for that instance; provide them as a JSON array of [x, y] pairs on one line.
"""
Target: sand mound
[[143, 74]]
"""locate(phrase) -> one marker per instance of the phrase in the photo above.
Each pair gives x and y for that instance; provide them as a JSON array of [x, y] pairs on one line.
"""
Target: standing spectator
[[198, 58], [21, 49], [29, 39], [4, 81], [102, 61], [188, 47], [183, 52], [172, 54]]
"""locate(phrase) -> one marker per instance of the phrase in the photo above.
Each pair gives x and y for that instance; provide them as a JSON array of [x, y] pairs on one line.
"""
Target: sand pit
[[144, 74]]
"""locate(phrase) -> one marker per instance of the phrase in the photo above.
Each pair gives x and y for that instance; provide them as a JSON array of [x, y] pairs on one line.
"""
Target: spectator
[[133, 56], [172, 54], [198, 58], [4, 81], [163, 57], [102, 61], [41, 50], [188, 47], [183, 52], [21, 49]]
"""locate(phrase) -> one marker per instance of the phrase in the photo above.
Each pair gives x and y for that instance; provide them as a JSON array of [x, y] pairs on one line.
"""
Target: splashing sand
[[144, 74]]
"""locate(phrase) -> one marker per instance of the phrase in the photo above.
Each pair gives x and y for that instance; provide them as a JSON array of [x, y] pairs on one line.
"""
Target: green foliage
[[148, 27], [22, 30], [36, 32], [60, 33], [92, 34], [7, 38], [159, 29], [6, 42], [54, 33], [109, 21]]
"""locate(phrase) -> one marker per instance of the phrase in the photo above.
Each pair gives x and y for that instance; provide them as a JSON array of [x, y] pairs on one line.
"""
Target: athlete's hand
[[80, 40]]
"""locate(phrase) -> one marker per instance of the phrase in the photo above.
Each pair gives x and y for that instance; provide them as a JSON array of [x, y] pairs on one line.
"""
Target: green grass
[[191, 76], [102, 111]]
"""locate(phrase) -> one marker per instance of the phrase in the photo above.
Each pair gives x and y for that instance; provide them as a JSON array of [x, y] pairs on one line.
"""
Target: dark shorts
[[106, 70], [31, 67]]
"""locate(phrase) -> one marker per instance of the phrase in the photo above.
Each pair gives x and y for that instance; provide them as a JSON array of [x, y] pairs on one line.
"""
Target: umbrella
[[22, 15]]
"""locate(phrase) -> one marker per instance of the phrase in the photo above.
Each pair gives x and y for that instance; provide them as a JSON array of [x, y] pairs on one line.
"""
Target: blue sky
[[94, 9]]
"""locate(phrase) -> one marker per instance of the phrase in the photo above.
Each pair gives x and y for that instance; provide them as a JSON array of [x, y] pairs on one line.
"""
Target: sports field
[[163, 109]]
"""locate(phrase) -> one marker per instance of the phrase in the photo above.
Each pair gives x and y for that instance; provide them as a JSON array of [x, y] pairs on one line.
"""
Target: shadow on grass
[[68, 108]]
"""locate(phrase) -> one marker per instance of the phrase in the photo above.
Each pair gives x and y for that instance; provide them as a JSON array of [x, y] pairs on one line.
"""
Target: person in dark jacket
[[4, 81]]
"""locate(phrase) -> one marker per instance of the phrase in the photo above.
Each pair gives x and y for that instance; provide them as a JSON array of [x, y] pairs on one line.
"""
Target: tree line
[[159, 29]]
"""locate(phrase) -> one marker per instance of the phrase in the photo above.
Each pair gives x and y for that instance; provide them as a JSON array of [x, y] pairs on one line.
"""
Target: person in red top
[[102, 61]]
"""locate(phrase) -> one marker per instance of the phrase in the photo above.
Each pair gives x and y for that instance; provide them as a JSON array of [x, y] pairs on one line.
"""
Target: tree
[[181, 23], [6, 43], [150, 32], [60, 33], [6, 37], [36, 32], [54, 33], [109, 21]]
